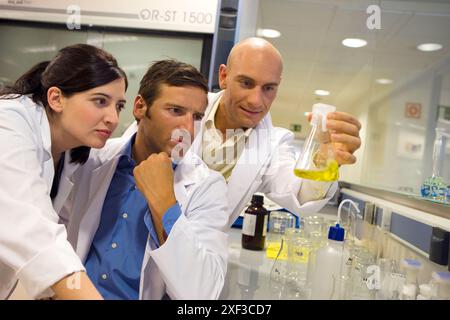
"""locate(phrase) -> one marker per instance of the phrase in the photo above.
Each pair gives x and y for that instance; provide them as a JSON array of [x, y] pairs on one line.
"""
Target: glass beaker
[[317, 239], [410, 288], [279, 222], [314, 225], [299, 248], [362, 259], [441, 281], [317, 160], [277, 248], [389, 277]]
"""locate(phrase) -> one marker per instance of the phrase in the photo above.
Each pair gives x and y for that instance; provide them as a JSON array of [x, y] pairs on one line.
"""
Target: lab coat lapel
[[65, 185], [47, 159], [100, 180], [48, 172], [151, 284], [198, 133], [256, 152], [187, 174]]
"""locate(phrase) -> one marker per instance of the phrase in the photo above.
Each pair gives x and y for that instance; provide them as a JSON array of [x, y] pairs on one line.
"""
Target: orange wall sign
[[413, 110]]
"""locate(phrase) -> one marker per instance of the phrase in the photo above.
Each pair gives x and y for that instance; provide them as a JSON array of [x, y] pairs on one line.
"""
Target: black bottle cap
[[439, 246], [257, 199]]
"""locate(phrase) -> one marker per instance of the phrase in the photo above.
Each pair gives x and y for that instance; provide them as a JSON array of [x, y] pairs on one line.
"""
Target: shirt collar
[[209, 123], [126, 159], [210, 119]]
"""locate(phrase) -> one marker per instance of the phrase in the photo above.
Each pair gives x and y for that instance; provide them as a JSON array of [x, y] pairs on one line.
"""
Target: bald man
[[238, 139]]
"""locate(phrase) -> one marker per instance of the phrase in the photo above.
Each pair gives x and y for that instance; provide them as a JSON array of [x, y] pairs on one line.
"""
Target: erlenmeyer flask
[[434, 186], [317, 160]]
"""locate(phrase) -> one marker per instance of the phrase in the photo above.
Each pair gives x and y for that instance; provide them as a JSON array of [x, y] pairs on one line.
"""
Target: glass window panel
[[400, 113], [24, 46]]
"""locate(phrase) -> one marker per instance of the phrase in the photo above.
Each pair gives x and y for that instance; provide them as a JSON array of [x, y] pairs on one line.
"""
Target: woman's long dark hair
[[74, 69]]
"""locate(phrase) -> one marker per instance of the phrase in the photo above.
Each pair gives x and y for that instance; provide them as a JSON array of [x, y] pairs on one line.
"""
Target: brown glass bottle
[[255, 225]]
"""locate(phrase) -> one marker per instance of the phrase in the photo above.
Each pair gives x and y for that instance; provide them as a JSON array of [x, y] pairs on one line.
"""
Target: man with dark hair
[[172, 73], [147, 227]]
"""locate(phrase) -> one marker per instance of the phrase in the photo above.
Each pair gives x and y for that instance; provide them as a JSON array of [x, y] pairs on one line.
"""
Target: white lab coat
[[266, 165], [192, 263], [33, 246]]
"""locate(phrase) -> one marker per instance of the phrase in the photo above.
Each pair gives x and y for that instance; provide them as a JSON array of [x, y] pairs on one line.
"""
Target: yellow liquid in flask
[[330, 173]]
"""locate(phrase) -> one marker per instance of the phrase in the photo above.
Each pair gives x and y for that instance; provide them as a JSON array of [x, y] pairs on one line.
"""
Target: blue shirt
[[115, 258]]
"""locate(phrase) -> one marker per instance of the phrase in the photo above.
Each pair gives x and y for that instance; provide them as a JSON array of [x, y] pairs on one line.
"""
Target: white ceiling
[[314, 58]]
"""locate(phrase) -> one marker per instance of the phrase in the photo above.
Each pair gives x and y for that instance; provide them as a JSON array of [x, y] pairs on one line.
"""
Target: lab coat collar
[[104, 156], [108, 159], [114, 148], [45, 126], [256, 153], [69, 168], [259, 144], [65, 185]]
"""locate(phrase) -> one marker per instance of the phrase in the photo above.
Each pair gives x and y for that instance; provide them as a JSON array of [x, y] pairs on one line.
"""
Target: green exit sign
[[447, 113], [444, 112], [296, 127]]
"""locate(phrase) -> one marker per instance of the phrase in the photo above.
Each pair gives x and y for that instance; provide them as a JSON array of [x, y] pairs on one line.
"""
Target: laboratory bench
[[249, 272]]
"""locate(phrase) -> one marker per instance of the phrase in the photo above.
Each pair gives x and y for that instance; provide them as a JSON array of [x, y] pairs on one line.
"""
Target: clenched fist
[[154, 178]]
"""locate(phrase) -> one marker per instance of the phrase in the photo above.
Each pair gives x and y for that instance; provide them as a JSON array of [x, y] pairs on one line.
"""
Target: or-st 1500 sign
[[171, 15]]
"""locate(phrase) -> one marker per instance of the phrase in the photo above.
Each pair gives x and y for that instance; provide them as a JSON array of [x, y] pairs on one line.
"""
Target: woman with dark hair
[[52, 115]]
